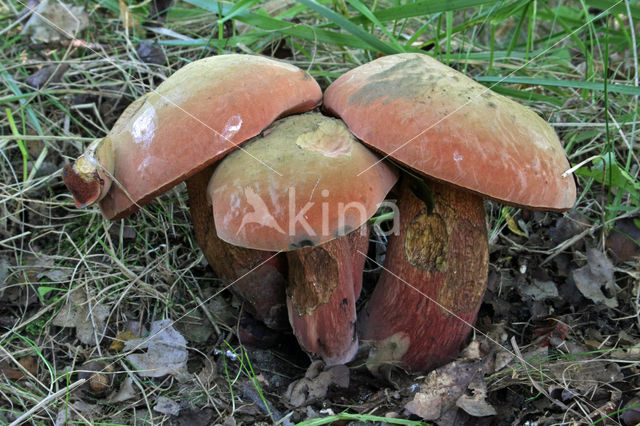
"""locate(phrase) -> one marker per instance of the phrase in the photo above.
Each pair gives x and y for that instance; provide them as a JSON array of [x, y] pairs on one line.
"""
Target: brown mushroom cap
[[298, 185], [194, 118], [444, 125]]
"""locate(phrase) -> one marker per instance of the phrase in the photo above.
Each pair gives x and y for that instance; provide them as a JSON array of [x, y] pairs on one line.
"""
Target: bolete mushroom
[[467, 142], [176, 132], [303, 196], [194, 118]]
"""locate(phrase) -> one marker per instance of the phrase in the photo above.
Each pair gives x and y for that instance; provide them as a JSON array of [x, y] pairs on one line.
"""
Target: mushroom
[[304, 196], [202, 112], [467, 142], [259, 278], [176, 132]]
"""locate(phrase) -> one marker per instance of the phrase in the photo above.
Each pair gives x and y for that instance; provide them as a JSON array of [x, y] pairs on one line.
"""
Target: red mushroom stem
[[433, 280], [258, 277], [324, 284]]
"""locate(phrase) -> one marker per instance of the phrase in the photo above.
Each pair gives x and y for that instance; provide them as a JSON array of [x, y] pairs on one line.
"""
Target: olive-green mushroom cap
[[306, 181], [446, 126], [200, 113]]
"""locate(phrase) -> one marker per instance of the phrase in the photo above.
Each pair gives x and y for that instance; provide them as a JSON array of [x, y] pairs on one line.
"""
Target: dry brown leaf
[[445, 386], [595, 276], [476, 404], [315, 385], [29, 363], [166, 406], [125, 391], [54, 20], [166, 351], [82, 314]]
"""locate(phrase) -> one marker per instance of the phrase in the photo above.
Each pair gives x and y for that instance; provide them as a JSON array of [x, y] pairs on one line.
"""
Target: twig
[[46, 401], [535, 384]]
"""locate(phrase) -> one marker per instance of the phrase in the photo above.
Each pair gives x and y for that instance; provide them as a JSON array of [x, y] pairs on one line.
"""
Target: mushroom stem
[[434, 277], [258, 277], [324, 284]]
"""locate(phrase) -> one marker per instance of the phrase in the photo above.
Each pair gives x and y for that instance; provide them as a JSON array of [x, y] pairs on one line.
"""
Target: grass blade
[[352, 28], [573, 84]]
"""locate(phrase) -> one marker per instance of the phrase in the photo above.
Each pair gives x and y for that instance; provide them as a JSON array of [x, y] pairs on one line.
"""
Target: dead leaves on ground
[[315, 384], [166, 352], [53, 20], [86, 316], [459, 384]]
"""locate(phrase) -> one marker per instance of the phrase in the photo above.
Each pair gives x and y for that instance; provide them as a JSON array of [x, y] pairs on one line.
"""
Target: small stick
[[45, 401]]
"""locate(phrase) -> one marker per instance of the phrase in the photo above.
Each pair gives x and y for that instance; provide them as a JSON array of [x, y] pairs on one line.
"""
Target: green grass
[[574, 62]]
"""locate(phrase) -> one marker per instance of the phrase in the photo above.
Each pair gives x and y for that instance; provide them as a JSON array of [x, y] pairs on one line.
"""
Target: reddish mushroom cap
[[305, 182], [194, 118], [445, 125]]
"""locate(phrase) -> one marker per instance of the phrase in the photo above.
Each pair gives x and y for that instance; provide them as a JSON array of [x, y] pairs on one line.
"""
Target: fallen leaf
[[195, 417], [48, 74], [167, 406], [29, 363], [443, 387], [552, 335], [55, 275], [539, 290], [624, 240], [90, 410], [125, 391], [427, 405], [586, 376], [82, 411], [476, 404], [594, 276], [568, 226], [54, 20], [315, 385], [151, 53], [513, 227], [194, 327], [81, 314], [631, 412], [166, 351]]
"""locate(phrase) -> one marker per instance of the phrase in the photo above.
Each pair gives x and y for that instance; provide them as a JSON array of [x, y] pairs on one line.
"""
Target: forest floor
[[557, 339]]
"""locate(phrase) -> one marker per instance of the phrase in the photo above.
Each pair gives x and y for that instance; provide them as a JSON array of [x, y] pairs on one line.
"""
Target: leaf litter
[[166, 352], [53, 20], [595, 279], [521, 304], [87, 317]]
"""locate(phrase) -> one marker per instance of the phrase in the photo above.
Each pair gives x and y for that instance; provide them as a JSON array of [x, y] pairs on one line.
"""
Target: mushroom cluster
[[284, 217]]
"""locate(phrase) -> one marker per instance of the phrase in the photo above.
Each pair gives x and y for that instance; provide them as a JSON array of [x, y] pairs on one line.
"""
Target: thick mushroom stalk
[[325, 283], [435, 270], [305, 184], [258, 278], [446, 127]]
